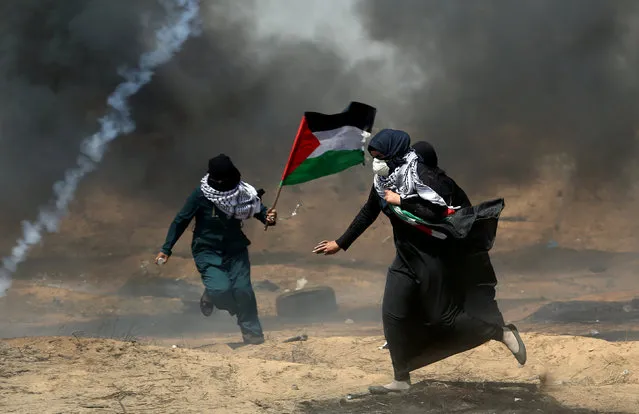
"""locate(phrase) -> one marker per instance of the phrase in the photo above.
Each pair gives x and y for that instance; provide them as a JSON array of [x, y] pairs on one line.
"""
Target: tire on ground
[[307, 303]]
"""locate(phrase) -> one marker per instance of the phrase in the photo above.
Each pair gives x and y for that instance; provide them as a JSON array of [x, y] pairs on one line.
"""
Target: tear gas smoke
[[235, 88], [182, 22], [495, 85], [506, 83]]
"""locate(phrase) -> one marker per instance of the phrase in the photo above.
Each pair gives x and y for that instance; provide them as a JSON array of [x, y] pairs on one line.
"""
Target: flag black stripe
[[357, 114]]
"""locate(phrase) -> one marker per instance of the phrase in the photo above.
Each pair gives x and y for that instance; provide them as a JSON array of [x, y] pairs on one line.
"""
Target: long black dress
[[422, 312], [470, 269]]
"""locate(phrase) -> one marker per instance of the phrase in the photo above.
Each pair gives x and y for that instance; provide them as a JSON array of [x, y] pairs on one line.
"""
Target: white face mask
[[380, 168]]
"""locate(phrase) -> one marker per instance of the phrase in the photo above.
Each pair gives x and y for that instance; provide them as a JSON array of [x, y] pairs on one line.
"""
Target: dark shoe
[[206, 305], [521, 354], [251, 339]]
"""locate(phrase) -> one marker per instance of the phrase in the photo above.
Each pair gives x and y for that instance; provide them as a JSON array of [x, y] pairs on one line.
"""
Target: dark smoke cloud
[[58, 61], [215, 97], [226, 91], [507, 82], [511, 81]]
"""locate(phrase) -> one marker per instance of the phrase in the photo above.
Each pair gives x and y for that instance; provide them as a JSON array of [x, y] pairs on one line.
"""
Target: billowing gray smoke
[[504, 83], [168, 40], [58, 59], [225, 91], [509, 81]]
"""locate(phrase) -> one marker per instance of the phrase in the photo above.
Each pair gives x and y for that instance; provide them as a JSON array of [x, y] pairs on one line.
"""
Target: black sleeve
[[366, 216], [425, 209]]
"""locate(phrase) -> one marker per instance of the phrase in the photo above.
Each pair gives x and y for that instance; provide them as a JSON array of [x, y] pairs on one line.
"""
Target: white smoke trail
[[182, 23]]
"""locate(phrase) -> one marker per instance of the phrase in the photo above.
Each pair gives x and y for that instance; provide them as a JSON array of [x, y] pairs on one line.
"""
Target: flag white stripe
[[341, 139]]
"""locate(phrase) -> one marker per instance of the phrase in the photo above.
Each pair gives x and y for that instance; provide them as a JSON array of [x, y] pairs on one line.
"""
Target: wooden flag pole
[[286, 167]]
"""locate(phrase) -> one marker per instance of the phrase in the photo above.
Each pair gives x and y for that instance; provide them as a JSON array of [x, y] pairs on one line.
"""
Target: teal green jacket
[[214, 230]]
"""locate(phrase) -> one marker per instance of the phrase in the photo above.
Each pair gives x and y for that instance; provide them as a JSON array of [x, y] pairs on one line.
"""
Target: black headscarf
[[428, 156], [223, 175], [393, 143], [426, 153]]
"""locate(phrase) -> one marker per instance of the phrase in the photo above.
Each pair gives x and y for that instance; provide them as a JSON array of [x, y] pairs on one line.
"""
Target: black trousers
[[424, 320]]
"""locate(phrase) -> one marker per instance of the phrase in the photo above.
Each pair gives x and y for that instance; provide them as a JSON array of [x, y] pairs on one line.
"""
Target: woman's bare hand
[[327, 248], [392, 198], [161, 258]]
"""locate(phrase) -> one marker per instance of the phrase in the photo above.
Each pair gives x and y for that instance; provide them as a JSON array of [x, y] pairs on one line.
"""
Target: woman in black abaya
[[422, 315]]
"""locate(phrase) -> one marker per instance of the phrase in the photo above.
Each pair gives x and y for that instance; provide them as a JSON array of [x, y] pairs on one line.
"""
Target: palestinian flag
[[328, 144]]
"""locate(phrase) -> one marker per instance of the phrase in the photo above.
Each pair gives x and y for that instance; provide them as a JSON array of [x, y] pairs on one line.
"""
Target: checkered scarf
[[240, 203], [405, 181]]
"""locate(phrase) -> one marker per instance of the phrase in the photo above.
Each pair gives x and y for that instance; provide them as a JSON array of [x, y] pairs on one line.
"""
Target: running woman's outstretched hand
[[327, 248]]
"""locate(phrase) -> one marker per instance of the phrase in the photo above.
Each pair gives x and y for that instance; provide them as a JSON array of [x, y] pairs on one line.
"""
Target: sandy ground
[[85, 375], [89, 324], [133, 366], [207, 372]]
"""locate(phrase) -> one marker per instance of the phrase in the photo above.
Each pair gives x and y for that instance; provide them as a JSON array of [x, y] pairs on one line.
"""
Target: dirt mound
[[81, 375]]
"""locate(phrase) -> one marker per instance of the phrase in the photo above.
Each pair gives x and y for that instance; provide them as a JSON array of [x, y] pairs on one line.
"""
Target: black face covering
[[223, 175]]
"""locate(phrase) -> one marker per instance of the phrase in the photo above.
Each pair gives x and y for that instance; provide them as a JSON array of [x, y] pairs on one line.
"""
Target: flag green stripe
[[328, 163]]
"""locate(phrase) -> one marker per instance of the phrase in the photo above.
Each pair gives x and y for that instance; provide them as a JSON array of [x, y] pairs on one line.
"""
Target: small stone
[[174, 346], [295, 387], [349, 321]]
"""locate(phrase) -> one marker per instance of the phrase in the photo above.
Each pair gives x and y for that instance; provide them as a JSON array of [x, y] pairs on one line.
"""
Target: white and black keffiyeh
[[405, 181], [240, 203]]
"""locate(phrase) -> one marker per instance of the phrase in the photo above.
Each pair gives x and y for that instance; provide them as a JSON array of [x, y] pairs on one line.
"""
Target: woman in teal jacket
[[219, 247]]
